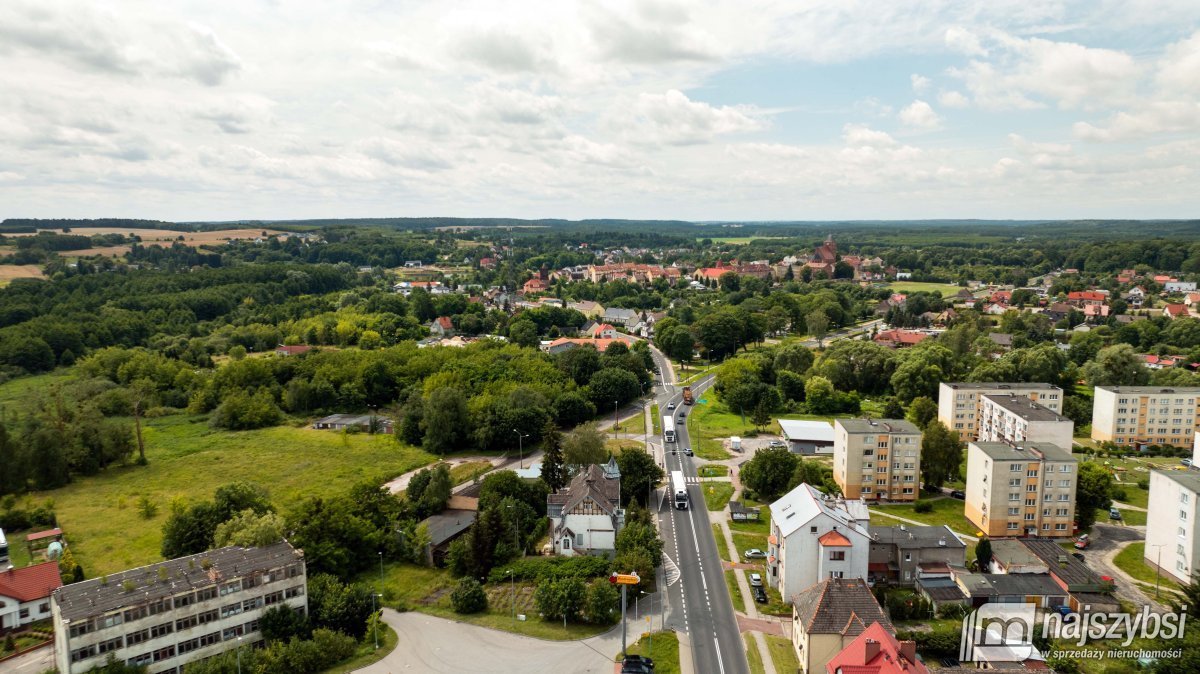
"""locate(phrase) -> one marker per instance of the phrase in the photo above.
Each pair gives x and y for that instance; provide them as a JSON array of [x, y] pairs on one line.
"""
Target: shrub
[[549, 568], [602, 603], [468, 597], [923, 507]]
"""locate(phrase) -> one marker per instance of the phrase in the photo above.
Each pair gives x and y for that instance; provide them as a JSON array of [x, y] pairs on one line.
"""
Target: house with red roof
[[442, 326], [1001, 297], [900, 339], [292, 349], [1081, 298], [25, 594], [877, 651], [602, 331], [1161, 362], [535, 285], [829, 616], [1175, 311]]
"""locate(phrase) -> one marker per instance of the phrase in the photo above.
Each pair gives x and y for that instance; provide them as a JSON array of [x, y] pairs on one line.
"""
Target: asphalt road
[[699, 598], [1107, 541]]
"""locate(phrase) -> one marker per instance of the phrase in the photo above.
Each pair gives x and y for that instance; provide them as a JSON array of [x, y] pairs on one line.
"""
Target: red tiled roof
[[876, 651], [445, 322], [835, 539], [1088, 295], [39, 535], [30, 583], [293, 349], [1176, 309]]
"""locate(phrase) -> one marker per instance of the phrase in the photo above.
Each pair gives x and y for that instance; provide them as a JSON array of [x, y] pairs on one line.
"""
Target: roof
[[877, 426], [1010, 552], [835, 539], [1188, 479], [101, 595], [1024, 584], [1068, 569], [902, 336], [839, 606], [448, 524], [49, 533], [876, 651], [799, 506], [905, 536], [1151, 389], [1090, 295], [293, 349], [984, 386], [1001, 338], [1023, 407], [818, 431], [1176, 309], [604, 491], [30, 583], [445, 322], [601, 343], [1000, 451], [940, 589]]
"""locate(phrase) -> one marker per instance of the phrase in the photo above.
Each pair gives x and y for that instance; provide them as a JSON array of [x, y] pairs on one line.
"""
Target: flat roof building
[[960, 403], [877, 459], [1017, 419], [1145, 415], [1172, 540], [1023, 490]]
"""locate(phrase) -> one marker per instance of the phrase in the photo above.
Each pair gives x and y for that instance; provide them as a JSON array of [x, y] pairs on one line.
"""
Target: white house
[[586, 516], [1173, 534], [25, 594], [815, 536], [1179, 286]]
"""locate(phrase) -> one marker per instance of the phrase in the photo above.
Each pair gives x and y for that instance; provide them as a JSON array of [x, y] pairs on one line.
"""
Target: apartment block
[[1173, 533], [1017, 419], [1145, 415], [960, 403], [877, 459], [1022, 490], [168, 614]]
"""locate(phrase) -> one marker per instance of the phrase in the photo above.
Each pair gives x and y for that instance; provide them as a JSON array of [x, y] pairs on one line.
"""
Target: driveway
[[1107, 541], [34, 662], [430, 644]]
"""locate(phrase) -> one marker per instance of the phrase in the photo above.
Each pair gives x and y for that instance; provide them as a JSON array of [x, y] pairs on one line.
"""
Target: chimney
[[870, 650], [908, 650], [942, 542]]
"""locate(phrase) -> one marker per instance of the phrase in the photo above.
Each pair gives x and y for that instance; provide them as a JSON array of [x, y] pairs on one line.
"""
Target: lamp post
[[516, 536], [1157, 569], [376, 621], [521, 445], [616, 427]]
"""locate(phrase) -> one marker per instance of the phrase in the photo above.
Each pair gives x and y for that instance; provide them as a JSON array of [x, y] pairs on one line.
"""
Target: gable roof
[[31, 582], [799, 506], [875, 651], [445, 322], [606, 492], [839, 606], [834, 539]]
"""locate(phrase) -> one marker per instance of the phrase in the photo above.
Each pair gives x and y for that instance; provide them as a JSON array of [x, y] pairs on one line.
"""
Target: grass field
[[1134, 518], [714, 470], [465, 472], [945, 511], [752, 655], [17, 394], [188, 460], [946, 289], [709, 424], [717, 494], [1131, 560], [663, 648], [9, 272], [744, 541], [783, 654], [735, 592]]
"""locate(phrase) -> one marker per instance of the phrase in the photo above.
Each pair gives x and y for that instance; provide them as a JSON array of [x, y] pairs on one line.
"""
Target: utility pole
[[521, 446], [615, 426], [1157, 569]]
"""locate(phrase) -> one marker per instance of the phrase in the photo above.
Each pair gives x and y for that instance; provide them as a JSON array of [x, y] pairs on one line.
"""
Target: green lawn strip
[[532, 626], [947, 511], [716, 494], [662, 647], [404, 585], [722, 546], [713, 470], [735, 592], [752, 655], [746, 541], [1134, 518], [635, 424], [367, 653], [1131, 560], [465, 472], [18, 552], [188, 460], [656, 419], [783, 654], [920, 286], [761, 526]]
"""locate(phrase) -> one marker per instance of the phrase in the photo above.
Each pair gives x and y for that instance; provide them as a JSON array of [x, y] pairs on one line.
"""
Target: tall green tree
[[584, 446], [921, 411], [1116, 365], [941, 454], [445, 420], [639, 473], [983, 554], [817, 324], [554, 469], [1093, 492]]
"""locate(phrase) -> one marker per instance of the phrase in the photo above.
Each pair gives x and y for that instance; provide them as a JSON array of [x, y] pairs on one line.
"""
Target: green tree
[[445, 420], [523, 332], [819, 395], [983, 554], [468, 597], [603, 602], [638, 473], [941, 454], [762, 415], [676, 343], [560, 598], [817, 324], [248, 529], [584, 446], [1092, 492], [921, 411], [1116, 365], [613, 385], [768, 473], [282, 623], [554, 469]]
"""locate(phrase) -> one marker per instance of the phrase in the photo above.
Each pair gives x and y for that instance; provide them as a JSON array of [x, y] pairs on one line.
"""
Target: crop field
[[946, 289], [9, 272], [188, 460]]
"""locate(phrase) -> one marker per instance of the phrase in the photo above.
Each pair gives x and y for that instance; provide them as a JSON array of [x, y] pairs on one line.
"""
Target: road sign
[[624, 579]]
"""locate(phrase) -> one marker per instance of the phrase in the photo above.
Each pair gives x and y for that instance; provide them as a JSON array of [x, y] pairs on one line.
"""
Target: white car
[[671, 406], [755, 580]]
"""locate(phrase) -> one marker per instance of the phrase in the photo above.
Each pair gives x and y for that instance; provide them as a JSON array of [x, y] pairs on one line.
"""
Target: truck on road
[[687, 396], [679, 489], [668, 425]]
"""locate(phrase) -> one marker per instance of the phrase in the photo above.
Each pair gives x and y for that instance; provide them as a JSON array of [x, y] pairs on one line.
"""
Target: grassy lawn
[[714, 470], [710, 423], [18, 554], [746, 541], [752, 655], [635, 424], [188, 460], [1131, 560], [615, 446], [717, 494], [945, 289], [662, 647], [762, 526], [1135, 495], [782, 654], [945, 511], [498, 618], [465, 472], [17, 394], [1134, 518], [722, 546], [404, 585], [735, 592], [656, 419], [367, 653]]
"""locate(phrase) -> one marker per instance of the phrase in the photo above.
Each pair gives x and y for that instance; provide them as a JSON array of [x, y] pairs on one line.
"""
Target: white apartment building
[[1023, 490], [815, 536], [960, 403], [1015, 419], [877, 459], [1173, 533], [168, 614], [1145, 415]]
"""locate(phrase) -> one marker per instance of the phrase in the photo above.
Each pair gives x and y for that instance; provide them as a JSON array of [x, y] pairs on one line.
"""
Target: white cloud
[[953, 99], [1179, 69], [674, 119], [964, 41], [919, 115], [858, 135], [920, 83], [1149, 119]]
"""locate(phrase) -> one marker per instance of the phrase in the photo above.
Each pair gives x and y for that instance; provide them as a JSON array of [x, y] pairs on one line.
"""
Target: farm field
[[151, 237], [946, 289], [8, 272], [188, 460]]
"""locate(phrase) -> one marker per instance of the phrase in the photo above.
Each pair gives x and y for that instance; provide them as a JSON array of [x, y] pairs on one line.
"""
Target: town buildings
[[1023, 490], [828, 616], [1145, 415], [586, 516], [903, 554], [1015, 419], [25, 593], [877, 459], [168, 614], [960, 403], [1173, 529], [815, 536], [877, 651]]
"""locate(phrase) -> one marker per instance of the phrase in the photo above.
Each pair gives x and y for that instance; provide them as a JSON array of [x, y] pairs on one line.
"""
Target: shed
[[808, 437]]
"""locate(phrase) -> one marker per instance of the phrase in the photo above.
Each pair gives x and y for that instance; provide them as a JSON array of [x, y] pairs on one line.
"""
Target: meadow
[[946, 289]]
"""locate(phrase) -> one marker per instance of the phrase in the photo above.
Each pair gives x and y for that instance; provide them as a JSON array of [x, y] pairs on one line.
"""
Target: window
[[1014, 511], [908, 556], [1015, 468], [186, 623], [208, 617], [160, 630], [164, 654], [185, 600], [24, 613], [87, 626], [104, 621], [1183, 497], [110, 645], [206, 594], [293, 592], [566, 543], [84, 653], [1061, 526], [231, 587], [160, 606], [135, 638], [835, 574], [1013, 526], [812, 530], [837, 555]]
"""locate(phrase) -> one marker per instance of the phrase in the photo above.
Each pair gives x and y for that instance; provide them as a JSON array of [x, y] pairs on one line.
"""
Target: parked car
[[754, 553], [755, 580], [1079, 556], [760, 594], [637, 664], [1114, 514], [1082, 542], [958, 494], [1186, 462], [688, 451], [777, 444], [671, 406]]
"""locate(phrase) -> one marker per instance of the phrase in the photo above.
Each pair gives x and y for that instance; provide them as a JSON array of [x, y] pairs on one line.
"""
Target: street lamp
[[381, 573], [376, 621], [521, 445], [516, 536], [1157, 568], [616, 427]]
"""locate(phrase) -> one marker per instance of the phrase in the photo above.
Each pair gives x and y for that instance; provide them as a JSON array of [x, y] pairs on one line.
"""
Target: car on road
[[688, 451], [776, 444], [671, 406], [1079, 556], [681, 417], [958, 494], [1082, 542], [1114, 514], [755, 580], [637, 664], [754, 553], [760, 595]]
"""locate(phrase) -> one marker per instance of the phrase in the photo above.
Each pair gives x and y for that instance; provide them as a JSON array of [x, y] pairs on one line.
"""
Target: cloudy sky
[[794, 109]]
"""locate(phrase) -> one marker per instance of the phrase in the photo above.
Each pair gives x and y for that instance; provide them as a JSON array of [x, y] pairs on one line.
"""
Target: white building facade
[[1145, 415], [1016, 419], [815, 536], [960, 403], [1172, 540]]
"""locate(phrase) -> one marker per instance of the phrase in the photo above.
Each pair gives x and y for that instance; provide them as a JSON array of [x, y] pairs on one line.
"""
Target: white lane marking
[[717, 644], [696, 541]]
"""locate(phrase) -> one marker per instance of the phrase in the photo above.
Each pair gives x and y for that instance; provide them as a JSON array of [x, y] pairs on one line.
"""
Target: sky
[[724, 110]]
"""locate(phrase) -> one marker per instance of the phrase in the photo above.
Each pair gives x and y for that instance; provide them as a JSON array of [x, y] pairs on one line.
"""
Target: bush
[[1144, 485], [1118, 494], [550, 568], [468, 597], [603, 602], [240, 411], [923, 507]]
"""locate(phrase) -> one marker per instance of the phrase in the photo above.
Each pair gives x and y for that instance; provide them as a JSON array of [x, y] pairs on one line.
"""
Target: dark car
[[1079, 556], [958, 494], [760, 595], [636, 664]]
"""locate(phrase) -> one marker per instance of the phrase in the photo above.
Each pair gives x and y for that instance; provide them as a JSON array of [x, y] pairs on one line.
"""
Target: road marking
[[717, 645], [672, 571]]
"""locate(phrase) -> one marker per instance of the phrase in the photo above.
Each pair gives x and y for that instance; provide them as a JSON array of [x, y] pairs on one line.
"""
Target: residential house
[[1154, 362], [815, 536], [166, 615], [442, 326], [600, 344], [877, 651], [588, 308], [601, 331], [1145, 415], [1191, 300], [1083, 298], [444, 528], [1001, 339], [905, 553], [1179, 286], [828, 616], [586, 516], [1135, 297], [365, 423], [1175, 311], [1024, 490], [1015, 419], [994, 309], [292, 349], [1085, 589], [621, 317], [960, 404], [1011, 588], [535, 285], [25, 593], [898, 338], [807, 437], [1058, 311], [877, 459]]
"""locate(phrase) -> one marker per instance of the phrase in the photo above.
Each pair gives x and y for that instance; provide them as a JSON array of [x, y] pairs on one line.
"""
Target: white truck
[[679, 489]]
